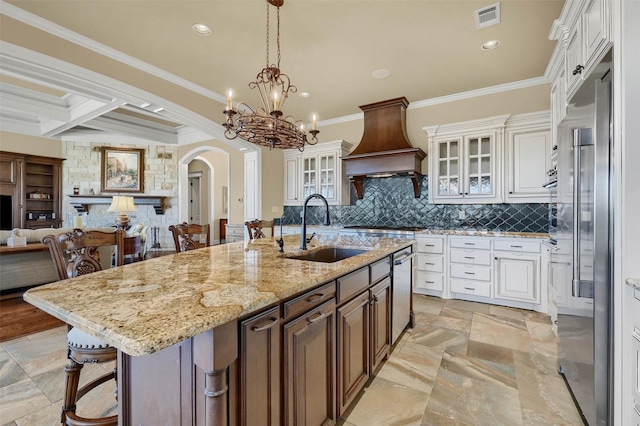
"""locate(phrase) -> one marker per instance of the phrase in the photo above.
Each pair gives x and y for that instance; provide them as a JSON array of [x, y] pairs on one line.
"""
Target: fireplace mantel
[[82, 202]]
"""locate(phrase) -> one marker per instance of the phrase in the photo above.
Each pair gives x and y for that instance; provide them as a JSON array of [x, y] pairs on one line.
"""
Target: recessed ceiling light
[[381, 73], [490, 45], [202, 29], [242, 149], [304, 94]]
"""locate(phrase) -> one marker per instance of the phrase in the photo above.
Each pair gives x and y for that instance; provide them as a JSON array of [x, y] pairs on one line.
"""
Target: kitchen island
[[184, 328]]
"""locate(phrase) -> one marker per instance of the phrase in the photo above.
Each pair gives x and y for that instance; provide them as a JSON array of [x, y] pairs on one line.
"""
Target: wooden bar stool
[[77, 253], [254, 227], [184, 236]]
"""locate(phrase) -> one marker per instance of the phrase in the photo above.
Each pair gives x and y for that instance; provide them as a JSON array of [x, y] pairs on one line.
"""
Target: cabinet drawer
[[472, 272], [429, 281], [430, 245], [380, 269], [477, 288], [474, 243], [476, 257], [353, 283], [309, 300], [523, 246], [430, 263]]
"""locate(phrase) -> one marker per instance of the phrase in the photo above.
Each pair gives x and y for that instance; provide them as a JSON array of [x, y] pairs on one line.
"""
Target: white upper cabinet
[[317, 170], [498, 159], [583, 32], [528, 158], [465, 161]]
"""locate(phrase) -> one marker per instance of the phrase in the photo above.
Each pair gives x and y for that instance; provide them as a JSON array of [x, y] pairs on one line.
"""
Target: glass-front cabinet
[[465, 162], [320, 172]]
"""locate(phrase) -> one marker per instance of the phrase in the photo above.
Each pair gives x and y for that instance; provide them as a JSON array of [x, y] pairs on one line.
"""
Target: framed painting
[[122, 170]]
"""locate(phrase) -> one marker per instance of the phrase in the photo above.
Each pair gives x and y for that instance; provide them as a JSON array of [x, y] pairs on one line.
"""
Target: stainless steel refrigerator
[[585, 247]]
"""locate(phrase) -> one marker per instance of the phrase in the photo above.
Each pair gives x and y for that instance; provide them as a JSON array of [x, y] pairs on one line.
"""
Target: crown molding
[[516, 85], [83, 41], [537, 81]]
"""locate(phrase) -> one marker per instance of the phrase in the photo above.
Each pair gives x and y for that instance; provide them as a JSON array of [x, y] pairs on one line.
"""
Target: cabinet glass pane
[[443, 186], [485, 165], [453, 168], [453, 186], [443, 150], [453, 151], [443, 168], [473, 147], [473, 166], [486, 146], [486, 184], [473, 185]]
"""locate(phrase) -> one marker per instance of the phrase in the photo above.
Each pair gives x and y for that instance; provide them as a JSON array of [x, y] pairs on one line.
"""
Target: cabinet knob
[[578, 70], [510, 192]]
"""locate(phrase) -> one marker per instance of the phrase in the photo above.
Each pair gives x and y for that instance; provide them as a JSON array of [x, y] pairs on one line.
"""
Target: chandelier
[[267, 126]]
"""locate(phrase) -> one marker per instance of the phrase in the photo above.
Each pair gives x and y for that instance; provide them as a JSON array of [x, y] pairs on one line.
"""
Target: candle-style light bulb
[[230, 101], [276, 103], [314, 123], [302, 126]]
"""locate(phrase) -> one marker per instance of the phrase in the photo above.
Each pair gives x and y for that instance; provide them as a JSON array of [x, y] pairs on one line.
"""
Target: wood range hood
[[384, 149]]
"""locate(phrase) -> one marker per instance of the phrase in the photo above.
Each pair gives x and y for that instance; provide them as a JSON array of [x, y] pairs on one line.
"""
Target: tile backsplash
[[390, 202]]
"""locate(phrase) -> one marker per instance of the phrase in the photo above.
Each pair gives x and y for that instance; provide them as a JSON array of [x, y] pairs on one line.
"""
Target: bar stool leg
[[72, 371]]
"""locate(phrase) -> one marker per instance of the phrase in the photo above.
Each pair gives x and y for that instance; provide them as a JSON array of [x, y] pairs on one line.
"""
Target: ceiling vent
[[487, 16]]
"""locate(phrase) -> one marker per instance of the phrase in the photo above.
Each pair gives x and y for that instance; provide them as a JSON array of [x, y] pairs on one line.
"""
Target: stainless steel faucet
[[303, 231], [280, 241]]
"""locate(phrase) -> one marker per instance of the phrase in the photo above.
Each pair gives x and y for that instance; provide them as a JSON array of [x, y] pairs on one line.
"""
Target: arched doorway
[[212, 172]]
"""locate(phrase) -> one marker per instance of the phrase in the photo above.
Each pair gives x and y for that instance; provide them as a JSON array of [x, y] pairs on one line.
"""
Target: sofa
[[32, 265]]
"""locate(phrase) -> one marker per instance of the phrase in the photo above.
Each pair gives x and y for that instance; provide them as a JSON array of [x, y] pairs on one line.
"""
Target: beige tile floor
[[464, 363]]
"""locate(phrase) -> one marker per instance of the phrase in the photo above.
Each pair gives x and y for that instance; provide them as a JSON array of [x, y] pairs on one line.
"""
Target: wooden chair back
[[76, 252], [184, 236], [254, 228]]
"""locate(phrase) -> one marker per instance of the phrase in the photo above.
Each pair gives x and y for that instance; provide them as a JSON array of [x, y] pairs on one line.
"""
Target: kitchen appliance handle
[[403, 259]]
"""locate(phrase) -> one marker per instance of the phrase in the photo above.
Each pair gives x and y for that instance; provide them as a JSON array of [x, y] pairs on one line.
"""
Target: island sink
[[328, 254]]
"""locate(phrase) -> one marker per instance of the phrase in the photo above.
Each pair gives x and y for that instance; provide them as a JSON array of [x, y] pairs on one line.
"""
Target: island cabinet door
[[380, 322], [259, 369], [353, 349], [309, 368]]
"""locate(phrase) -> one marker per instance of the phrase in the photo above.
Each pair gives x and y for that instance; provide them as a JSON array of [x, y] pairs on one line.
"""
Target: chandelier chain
[[267, 66], [278, 34]]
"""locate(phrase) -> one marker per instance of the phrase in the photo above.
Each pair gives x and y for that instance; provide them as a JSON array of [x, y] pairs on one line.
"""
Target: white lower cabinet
[[430, 262], [503, 270], [517, 278], [473, 287], [470, 266]]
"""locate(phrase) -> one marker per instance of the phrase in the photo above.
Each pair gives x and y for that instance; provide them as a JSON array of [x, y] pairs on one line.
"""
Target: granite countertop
[[147, 306], [461, 232], [633, 282], [475, 233]]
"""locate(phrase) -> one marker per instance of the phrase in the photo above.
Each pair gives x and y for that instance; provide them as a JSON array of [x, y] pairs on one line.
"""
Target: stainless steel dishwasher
[[402, 280]]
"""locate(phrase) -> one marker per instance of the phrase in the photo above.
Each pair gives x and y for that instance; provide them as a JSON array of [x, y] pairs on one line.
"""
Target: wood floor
[[18, 318]]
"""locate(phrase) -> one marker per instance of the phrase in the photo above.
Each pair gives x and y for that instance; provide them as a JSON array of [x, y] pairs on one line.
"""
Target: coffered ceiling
[[329, 49]]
